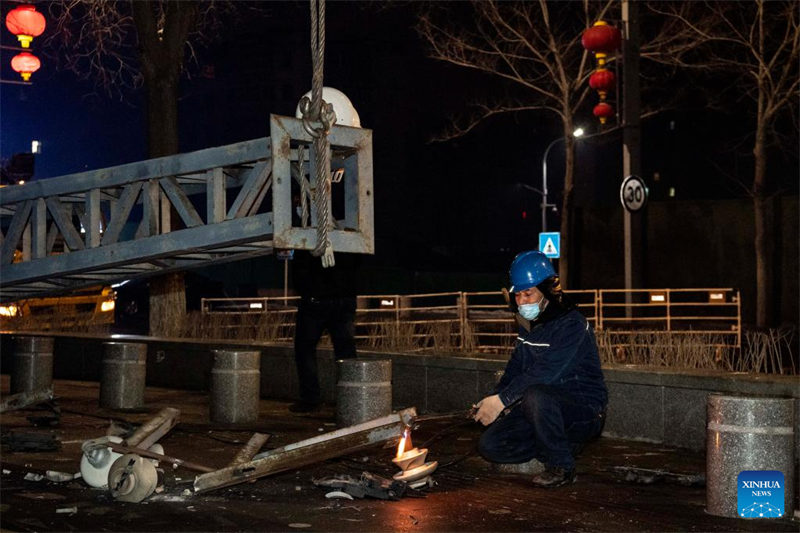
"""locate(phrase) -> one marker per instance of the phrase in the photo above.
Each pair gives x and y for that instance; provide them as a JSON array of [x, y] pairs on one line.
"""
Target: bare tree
[[757, 43], [536, 48], [125, 44]]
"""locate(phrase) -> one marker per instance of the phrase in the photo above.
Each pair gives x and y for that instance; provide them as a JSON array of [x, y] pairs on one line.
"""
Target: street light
[[577, 133]]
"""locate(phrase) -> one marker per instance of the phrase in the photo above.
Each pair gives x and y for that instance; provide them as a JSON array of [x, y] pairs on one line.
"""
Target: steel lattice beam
[[113, 224]]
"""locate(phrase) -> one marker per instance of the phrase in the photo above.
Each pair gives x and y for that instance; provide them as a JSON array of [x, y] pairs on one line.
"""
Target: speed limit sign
[[633, 193]]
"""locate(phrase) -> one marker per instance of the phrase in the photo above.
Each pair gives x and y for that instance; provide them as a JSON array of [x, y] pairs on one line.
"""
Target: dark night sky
[[467, 208]]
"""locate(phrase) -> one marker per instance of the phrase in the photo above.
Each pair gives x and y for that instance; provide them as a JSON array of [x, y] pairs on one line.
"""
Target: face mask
[[530, 311]]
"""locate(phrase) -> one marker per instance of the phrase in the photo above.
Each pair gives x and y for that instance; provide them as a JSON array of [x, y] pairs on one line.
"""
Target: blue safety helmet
[[529, 269]]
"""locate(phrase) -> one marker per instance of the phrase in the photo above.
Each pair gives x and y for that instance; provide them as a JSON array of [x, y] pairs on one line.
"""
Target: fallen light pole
[[122, 450], [309, 451]]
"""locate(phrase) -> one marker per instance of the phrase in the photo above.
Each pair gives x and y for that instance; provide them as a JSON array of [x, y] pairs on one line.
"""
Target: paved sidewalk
[[469, 495]]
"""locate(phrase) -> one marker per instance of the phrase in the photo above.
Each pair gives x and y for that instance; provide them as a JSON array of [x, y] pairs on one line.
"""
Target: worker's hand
[[488, 409]]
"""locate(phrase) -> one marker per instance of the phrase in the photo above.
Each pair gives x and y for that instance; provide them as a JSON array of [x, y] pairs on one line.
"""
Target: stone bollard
[[748, 434], [33, 364], [364, 390], [235, 386], [122, 380]]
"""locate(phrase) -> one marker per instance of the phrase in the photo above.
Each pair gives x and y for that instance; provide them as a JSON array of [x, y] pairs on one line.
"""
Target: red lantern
[[26, 23], [603, 81], [603, 111], [26, 64], [602, 39]]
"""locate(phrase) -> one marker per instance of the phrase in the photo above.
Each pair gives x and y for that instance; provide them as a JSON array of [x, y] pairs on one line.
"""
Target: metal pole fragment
[[151, 431], [309, 451], [119, 448], [25, 399], [246, 454]]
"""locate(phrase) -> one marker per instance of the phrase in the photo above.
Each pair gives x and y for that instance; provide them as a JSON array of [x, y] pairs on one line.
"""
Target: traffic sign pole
[[631, 150]]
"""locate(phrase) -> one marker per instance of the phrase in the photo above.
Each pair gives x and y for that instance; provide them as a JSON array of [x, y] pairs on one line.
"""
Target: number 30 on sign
[[633, 193]]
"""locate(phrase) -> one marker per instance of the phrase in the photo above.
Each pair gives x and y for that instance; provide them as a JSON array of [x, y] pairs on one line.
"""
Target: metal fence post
[[668, 297], [396, 299], [462, 318]]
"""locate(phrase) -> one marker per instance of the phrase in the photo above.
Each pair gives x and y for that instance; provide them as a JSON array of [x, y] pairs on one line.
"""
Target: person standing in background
[[327, 302]]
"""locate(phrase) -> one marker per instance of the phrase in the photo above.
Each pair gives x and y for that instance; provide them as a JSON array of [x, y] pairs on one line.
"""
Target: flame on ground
[[405, 442]]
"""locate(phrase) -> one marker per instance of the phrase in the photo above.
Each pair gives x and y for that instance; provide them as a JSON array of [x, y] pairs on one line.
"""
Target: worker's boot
[[554, 476]]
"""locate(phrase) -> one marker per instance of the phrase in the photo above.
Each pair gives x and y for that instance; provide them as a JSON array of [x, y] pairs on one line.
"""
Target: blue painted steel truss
[[178, 212]]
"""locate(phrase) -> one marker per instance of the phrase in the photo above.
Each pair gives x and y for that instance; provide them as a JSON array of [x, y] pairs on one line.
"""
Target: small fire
[[405, 443]]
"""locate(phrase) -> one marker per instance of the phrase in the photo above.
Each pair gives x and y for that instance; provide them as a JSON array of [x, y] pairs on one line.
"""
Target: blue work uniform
[[555, 384]]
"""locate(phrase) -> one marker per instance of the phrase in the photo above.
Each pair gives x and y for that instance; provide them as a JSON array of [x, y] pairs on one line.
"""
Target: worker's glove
[[488, 409]]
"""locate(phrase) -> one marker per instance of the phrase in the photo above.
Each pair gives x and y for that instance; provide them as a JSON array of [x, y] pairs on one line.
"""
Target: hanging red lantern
[[602, 39], [26, 64], [603, 81], [26, 23], [603, 111]]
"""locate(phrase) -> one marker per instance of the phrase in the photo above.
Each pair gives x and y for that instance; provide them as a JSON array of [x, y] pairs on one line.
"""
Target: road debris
[[647, 476], [338, 494], [249, 450], [25, 399], [424, 482], [132, 478], [151, 431], [309, 451], [369, 485], [174, 461], [60, 477]]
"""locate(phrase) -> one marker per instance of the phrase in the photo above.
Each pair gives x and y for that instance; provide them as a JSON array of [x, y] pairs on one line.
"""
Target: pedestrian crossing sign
[[550, 244]]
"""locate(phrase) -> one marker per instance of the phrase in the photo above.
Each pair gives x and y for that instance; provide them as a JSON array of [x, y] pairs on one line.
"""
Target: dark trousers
[[314, 316], [547, 425]]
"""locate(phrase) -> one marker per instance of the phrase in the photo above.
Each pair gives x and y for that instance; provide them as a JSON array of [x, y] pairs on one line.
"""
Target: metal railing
[[481, 321]]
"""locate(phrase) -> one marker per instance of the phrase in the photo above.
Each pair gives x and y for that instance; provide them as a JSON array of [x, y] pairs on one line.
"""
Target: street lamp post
[[577, 133]]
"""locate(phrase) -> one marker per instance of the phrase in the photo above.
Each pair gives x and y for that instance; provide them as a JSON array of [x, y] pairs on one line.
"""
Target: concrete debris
[[167, 498], [338, 494], [30, 476], [25, 399], [59, 477]]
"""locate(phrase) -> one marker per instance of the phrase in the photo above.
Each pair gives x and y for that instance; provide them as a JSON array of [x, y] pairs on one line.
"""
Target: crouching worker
[[552, 390]]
